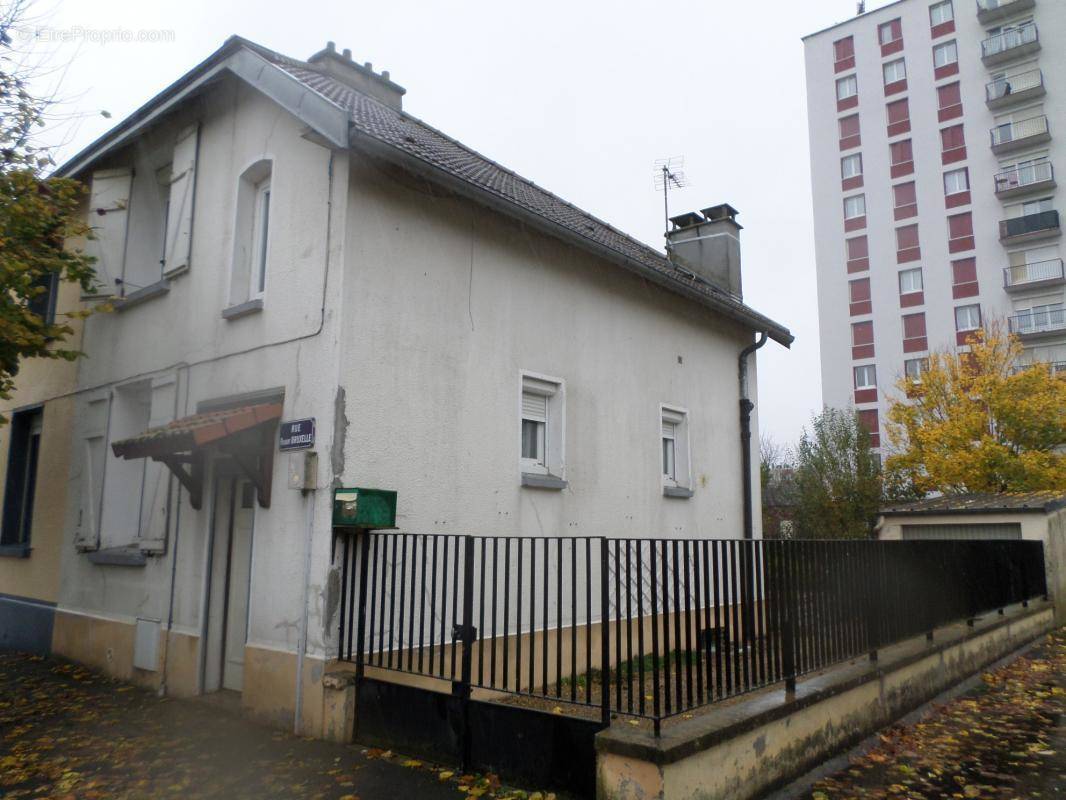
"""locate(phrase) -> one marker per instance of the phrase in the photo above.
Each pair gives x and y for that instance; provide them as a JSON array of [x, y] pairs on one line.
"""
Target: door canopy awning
[[246, 434]]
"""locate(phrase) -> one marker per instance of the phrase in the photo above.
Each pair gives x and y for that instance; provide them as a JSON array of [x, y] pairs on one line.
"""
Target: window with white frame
[[1038, 206], [968, 318], [847, 86], [939, 13], [855, 206], [866, 376], [956, 181], [945, 54], [910, 281], [542, 425], [675, 452], [895, 71], [914, 368], [851, 166], [251, 247]]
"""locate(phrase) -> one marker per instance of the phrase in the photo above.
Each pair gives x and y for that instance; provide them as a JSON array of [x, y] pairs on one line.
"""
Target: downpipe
[[748, 598]]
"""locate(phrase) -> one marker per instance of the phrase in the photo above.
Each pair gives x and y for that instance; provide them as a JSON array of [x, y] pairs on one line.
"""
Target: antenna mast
[[668, 173]]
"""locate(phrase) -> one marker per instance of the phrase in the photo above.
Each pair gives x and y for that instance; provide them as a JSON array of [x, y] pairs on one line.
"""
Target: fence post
[[605, 638], [364, 566], [788, 637], [465, 633]]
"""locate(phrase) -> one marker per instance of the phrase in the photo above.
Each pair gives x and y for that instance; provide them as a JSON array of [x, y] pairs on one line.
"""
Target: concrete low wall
[[26, 624], [743, 750]]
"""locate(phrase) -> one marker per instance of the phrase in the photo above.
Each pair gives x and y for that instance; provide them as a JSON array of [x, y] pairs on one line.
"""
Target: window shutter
[[669, 430], [91, 483], [109, 202], [178, 246], [534, 407], [155, 498]]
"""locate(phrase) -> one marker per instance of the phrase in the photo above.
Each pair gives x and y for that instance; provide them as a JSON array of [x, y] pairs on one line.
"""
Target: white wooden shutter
[[109, 202], [534, 407], [178, 246], [91, 476], [155, 499], [669, 430]]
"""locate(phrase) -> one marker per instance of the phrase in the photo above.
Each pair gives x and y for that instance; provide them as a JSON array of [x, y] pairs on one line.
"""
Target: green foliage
[[837, 479]]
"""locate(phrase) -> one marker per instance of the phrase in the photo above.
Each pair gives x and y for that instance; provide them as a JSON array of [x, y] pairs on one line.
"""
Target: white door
[[238, 582]]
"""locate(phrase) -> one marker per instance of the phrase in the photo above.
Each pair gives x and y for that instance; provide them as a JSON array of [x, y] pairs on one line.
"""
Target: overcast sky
[[580, 96]]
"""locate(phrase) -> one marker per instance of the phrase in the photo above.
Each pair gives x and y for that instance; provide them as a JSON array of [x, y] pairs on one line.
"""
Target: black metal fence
[[654, 628]]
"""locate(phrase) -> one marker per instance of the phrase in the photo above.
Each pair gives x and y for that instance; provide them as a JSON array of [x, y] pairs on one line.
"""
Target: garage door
[[991, 530]]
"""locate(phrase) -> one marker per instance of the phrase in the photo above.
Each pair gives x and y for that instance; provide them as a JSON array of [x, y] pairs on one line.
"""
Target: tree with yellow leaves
[[977, 423]]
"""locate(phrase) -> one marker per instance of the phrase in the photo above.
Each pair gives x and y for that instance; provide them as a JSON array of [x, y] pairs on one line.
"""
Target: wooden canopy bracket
[[192, 480], [256, 461]]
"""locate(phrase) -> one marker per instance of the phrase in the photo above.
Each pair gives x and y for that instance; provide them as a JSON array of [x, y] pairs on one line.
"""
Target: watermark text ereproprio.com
[[78, 33]]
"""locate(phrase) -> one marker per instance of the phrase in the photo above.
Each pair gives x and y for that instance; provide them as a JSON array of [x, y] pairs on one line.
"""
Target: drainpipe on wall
[[746, 407]]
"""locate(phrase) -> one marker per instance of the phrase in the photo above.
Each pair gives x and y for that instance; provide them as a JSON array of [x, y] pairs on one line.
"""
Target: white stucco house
[[282, 242]]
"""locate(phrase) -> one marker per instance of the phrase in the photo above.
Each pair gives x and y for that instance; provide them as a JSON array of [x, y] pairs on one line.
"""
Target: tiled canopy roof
[[185, 434], [1031, 502]]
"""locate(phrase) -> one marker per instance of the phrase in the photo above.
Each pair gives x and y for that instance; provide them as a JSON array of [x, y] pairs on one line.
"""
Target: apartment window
[[859, 294], [914, 337], [43, 304], [952, 144], [914, 368], [899, 117], [907, 246], [858, 254], [855, 207], [862, 339], [964, 278], [1038, 206], [542, 418], [21, 485], [949, 98], [675, 454], [252, 234], [941, 13], [905, 197], [868, 420], [960, 232], [866, 377], [847, 87], [946, 54], [844, 53], [849, 132], [967, 318], [956, 181], [910, 281], [890, 32], [901, 157], [895, 71], [1038, 318], [851, 169]]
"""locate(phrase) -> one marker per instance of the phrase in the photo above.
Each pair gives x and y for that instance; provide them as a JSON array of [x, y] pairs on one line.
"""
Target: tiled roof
[[1025, 502], [182, 435], [416, 139]]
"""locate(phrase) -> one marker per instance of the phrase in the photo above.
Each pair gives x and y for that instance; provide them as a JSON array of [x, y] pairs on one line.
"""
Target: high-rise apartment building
[[936, 128]]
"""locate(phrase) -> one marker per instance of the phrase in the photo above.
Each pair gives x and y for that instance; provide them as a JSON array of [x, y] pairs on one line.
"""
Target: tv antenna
[[669, 173]]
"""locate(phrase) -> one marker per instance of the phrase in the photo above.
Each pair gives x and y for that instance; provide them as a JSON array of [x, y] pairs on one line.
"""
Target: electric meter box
[[364, 508]]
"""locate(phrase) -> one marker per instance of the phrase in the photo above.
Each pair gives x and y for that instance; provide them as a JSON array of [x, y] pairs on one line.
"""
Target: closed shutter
[[178, 246], [534, 407], [91, 476], [109, 202], [669, 430], [155, 499], [978, 530]]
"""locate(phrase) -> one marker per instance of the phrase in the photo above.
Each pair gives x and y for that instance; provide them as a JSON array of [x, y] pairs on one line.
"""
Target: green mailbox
[[364, 508]]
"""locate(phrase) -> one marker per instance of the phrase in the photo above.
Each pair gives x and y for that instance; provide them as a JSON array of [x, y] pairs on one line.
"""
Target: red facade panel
[[859, 297], [844, 54], [862, 339], [943, 29], [858, 254], [854, 224], [960, 232], [901, 158], [946, 71], [848, 102], [952, 144], [956, 200], [964, 278], [905, 199], [914, 335], [907, 245], [949, 100], [865, 396], [898, 114], [851, 183], [895, 87], [911, 299], [849, 132]]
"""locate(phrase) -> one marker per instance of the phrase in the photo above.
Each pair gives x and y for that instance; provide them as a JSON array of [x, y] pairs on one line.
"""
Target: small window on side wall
[[251, 251], [542, 431], [21, 482], [675, 452]]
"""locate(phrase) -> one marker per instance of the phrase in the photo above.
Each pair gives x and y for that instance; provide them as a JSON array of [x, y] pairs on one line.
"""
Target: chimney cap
[[686, 219], [720, 212]]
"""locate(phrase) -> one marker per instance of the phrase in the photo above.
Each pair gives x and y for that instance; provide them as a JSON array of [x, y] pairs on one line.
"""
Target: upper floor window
[[675, 455], [945, 54], [968, 318], [890, 32], [843, 48], [251, 250], [895, 71], [914, 368], [542, 425], [940, 13], [851, 166], [956, 181], [21, 483], [866, 377], [1038, 206], [910, 281], [855, 206], [847, 87], [43, 304]]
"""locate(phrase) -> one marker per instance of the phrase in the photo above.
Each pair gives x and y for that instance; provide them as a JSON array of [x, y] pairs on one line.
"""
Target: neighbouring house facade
[[281, 242], [935, 135]]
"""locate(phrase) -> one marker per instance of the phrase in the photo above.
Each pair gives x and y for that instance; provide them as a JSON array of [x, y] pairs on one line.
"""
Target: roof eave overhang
[[319, 113], [957, 512], [418, 166]]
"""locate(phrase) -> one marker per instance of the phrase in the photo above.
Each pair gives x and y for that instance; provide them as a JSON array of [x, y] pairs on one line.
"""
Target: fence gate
[[508, 654]]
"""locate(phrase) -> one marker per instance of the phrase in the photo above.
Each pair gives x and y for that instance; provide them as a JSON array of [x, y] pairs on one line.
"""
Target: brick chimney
[[359, 76], [707, 244]]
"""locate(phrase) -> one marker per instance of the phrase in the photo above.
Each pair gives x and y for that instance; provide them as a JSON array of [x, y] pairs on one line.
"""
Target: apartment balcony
[[1020, 88], [1030, 228], [1039, 177], [1009, 45], [1012, 136], [1034, 276], [1038, 324], [1055, 367], [989, 11]]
